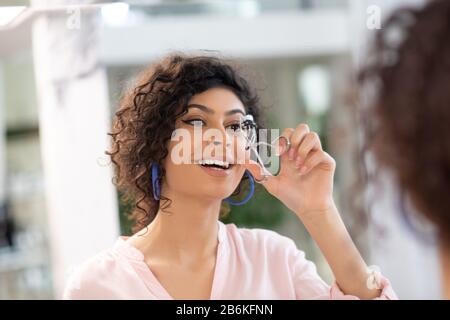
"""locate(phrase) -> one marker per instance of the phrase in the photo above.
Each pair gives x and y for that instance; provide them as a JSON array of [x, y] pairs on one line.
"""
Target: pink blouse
[[251, 264]]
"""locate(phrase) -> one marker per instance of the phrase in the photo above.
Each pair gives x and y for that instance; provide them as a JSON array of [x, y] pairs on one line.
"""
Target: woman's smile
[[215, 167]]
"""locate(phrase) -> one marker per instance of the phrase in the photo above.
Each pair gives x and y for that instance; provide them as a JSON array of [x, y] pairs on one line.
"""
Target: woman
[[180, 250], [408, 124]]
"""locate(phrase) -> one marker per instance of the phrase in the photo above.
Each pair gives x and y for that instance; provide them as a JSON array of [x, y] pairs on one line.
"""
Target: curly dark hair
[[408, 122], [146, 117]]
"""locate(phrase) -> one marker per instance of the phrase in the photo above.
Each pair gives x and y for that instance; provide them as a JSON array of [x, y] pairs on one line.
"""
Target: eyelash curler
[[248, 126]]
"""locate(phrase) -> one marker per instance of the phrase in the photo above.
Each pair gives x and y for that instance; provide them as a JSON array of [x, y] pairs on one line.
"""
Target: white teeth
[[223, 164]]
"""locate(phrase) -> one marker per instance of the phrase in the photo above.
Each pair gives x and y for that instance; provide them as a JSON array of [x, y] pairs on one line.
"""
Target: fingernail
[[291, 154], [298, 162], [303, 170]]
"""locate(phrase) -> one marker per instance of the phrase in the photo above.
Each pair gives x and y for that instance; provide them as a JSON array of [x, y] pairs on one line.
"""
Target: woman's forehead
[[217, 101]]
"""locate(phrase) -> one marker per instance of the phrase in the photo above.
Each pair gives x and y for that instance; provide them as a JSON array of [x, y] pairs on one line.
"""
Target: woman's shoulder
[[94, 276]]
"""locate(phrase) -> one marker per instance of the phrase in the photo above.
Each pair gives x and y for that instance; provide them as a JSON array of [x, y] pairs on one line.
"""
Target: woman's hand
[[305, 181], [305, 185]]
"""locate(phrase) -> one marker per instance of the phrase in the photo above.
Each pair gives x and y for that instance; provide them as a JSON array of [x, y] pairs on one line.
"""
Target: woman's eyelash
[[233, 126], [192, 122]]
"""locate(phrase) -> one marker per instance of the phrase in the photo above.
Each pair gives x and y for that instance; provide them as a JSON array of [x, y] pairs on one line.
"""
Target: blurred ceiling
[[16, 36]]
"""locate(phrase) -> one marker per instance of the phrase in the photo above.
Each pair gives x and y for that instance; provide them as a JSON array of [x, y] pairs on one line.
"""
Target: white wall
[[265, 36]]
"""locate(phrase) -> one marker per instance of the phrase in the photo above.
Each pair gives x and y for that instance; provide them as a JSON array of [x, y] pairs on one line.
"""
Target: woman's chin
[[215, 192]]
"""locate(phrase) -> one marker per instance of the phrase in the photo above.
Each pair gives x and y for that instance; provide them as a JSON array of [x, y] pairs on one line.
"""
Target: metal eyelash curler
[[248, 126]]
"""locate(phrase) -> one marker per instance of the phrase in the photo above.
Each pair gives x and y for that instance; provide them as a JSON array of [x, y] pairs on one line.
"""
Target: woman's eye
[[235, 127], [195, 122]]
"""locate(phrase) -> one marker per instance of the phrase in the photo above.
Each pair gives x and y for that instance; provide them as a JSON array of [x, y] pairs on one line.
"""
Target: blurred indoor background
[[63, 66]]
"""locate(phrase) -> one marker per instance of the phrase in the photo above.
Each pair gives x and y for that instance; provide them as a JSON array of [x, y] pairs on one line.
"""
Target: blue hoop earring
[[250, 194], [155, 184]]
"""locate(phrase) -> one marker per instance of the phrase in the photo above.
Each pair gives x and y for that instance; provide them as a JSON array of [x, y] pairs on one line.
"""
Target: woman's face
[[208, 138]]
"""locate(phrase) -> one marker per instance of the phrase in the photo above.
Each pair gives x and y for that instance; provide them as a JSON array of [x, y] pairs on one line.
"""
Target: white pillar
[[74, 119]]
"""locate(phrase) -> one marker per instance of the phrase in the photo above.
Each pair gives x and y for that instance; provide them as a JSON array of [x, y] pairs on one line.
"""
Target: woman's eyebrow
[[211, 111]]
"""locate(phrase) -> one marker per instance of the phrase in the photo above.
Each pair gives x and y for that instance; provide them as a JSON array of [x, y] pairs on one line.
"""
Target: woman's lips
[[216, 172]]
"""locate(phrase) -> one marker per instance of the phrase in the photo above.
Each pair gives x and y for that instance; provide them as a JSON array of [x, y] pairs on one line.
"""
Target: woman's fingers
[[311, 142], [287, 133], [314, 159], [305, 151], [296, 138]]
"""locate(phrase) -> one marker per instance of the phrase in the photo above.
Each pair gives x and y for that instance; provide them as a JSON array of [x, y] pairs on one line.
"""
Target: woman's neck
[[185, 231]]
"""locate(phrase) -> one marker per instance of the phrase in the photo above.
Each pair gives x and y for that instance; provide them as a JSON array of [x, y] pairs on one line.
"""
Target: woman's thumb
[[260, 174], [255, 169]]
